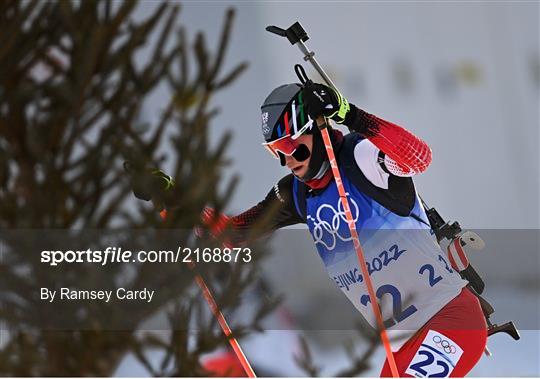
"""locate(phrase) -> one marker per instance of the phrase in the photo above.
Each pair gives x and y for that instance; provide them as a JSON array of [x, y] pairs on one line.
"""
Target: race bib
[[436, 357]]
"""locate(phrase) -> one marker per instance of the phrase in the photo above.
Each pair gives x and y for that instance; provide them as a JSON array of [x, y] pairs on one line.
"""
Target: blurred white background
[[463, 76]]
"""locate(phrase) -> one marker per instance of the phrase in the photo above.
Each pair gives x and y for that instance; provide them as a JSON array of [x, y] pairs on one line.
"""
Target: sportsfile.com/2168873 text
[[118, 255]]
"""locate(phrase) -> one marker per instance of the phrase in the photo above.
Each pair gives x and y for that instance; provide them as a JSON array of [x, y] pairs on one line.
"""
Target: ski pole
[[297, 36], [219, 316]]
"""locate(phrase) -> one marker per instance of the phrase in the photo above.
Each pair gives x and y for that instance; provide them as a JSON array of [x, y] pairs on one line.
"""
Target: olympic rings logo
[[444, 344], [320, 225]]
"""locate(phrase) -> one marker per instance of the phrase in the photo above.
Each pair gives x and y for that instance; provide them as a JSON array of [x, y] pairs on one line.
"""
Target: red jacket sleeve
[[276, 211], [410, 153]]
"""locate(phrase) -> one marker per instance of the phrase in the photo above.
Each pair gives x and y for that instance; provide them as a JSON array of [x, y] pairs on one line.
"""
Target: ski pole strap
[[301, 73]]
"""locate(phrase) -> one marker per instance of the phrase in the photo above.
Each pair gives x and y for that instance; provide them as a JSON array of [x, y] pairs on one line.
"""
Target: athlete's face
[[300, 168]]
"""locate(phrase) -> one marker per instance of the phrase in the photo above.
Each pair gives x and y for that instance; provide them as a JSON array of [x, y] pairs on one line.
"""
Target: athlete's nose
[[290, 161]]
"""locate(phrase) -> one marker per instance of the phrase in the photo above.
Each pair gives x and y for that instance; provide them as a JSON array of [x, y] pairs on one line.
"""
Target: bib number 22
[[398, 313], [436, 357]]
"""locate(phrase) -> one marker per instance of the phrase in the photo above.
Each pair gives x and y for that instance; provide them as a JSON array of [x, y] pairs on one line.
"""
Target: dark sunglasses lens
[[301, 153], [281, 158]]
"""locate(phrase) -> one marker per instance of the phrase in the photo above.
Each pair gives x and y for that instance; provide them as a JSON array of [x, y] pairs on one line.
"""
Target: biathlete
[[424, 301]]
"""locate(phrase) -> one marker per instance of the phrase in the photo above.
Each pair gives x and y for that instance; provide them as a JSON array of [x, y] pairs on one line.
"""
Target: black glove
[[149, 183], [324, 101]]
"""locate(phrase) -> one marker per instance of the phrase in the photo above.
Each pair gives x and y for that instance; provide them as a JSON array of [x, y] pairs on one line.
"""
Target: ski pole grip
[[276, 30], [294, 33]]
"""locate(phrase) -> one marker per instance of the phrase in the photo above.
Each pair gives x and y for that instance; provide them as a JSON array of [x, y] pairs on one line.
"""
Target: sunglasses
[[288, 145], [300, 154]]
